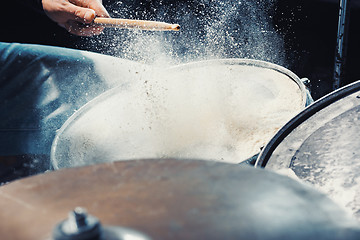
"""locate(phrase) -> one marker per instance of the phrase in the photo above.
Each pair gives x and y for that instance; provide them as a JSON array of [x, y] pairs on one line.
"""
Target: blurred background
[[298, 34]]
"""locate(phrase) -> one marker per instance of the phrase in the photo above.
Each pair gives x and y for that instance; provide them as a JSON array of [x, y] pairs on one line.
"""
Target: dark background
[[308, 27]]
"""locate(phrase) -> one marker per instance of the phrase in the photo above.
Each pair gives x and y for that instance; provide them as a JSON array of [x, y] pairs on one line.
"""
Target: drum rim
[[226, 61], [250, 62], [300, 118]]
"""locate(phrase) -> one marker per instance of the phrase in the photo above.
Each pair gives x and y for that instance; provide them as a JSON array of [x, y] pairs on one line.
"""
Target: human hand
[[76, 15]]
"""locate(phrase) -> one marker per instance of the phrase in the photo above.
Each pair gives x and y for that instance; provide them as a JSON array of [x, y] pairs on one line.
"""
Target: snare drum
[[223, 110]]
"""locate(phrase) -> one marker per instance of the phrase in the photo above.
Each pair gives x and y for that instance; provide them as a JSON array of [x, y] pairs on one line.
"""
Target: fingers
[[96, 5], [80, 14], [76, 15], [80, 29], [85, 11]]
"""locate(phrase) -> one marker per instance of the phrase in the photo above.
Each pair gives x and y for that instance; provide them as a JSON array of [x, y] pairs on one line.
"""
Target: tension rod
[[341, 45]]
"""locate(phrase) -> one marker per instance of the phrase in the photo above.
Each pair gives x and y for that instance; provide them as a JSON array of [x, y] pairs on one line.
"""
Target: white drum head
[[222, 110]]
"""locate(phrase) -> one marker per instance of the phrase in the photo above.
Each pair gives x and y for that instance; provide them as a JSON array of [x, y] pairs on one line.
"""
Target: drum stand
[[342, 34]]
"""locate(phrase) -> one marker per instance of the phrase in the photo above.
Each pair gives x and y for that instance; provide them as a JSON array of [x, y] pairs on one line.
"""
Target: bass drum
[[321, 146], [222, 110]]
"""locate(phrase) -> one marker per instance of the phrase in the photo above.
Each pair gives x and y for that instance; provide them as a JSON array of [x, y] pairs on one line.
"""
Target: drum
[[222, 110], [171, 199], [321, 146]]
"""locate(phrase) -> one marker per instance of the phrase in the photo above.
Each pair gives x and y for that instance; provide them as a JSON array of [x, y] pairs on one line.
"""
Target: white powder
[[211, 111]]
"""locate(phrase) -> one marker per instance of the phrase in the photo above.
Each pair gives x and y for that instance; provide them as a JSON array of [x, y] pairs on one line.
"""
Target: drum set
[[183, 158]]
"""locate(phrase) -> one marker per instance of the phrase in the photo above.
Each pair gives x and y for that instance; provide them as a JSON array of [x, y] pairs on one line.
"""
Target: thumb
[[80, 14]]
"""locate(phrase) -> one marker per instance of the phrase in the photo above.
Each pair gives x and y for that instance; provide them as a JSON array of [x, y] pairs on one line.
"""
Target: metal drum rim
[[251, 62], [227, 61], [296, 121]]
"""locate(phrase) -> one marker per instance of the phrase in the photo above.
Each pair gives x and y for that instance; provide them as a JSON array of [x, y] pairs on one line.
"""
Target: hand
[[76, 15]]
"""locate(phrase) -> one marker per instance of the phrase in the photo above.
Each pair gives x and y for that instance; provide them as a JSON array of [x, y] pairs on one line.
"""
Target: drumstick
[[137, 24]]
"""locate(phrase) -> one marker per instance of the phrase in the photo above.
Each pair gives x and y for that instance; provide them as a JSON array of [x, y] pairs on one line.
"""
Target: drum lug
[[307, 84]]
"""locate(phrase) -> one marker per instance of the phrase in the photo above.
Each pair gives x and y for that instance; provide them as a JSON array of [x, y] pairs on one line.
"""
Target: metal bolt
[[78, 217], [78, 225]]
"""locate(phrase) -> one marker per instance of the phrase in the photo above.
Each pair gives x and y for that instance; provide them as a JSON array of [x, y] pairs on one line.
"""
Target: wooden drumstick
[[136, 24]]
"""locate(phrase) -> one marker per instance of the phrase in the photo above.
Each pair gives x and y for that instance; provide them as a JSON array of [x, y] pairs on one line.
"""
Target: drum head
[[223, 110], [321, 146]]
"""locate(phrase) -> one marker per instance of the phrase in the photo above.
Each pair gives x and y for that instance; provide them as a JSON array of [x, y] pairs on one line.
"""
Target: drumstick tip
[[175, 27]]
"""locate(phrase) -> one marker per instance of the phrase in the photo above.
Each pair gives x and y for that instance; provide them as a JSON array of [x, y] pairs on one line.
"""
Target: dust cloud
[[209, 30], [213, 109]]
